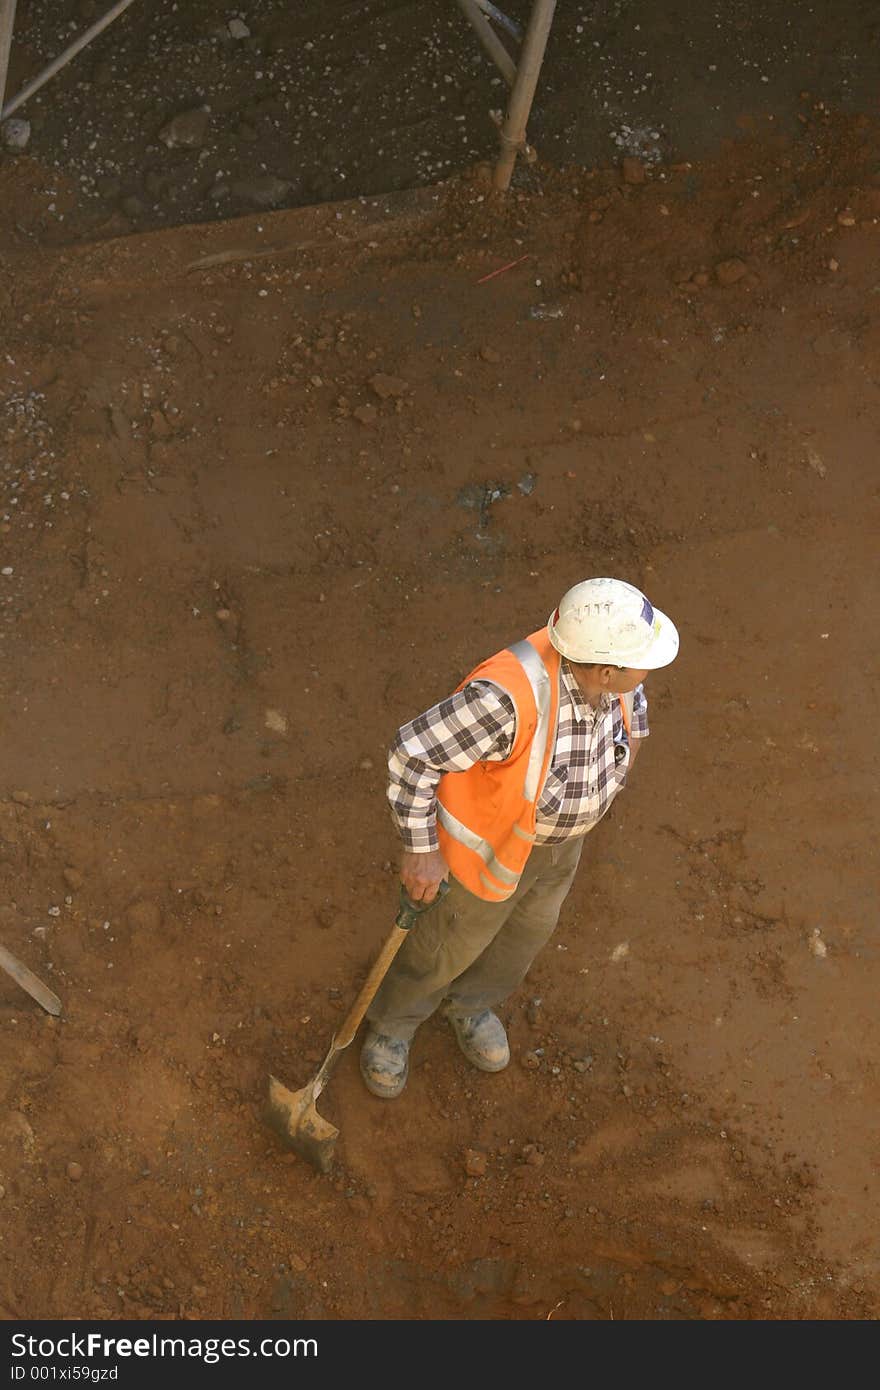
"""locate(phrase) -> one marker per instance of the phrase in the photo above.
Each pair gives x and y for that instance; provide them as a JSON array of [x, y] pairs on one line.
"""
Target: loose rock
[[16, 133], [74, 1171], [238, 29], [187, 130], [385, 386], [276, 721], [474, 1163], [489, 354], [366, 414], [729, 271]]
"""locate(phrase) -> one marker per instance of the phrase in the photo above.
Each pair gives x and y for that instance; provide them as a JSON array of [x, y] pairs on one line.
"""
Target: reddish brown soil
[[201, 531]]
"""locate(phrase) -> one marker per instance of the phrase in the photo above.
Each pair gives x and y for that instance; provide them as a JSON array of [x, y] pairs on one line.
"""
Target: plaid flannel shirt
[[478, 724]]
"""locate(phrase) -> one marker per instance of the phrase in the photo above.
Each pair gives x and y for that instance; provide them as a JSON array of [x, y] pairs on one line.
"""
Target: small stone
[[533, 1012], [161, 427], [223, 615], [22, 798], [199, 1291], [276, 721], [266, 190], [385, 386], [297, 1263], [16, 133], [474, 1163], [366, 764], [595, 216], [633, 170], [531, 1061], [729, 271], [669, 1287], [846, 218], [73, 878], [833, 264], [366, 414], [187, 130], [326, 915], [701, 278], [816, 462], [2, 1192], [238, 29], [489, 354], [74, 1171], [817, 945]]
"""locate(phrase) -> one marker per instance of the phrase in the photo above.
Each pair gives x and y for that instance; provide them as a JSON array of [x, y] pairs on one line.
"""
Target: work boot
[[482, 1039], [384, 1064]]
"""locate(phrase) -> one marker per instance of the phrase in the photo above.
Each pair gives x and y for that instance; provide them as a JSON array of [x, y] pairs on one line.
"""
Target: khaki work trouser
[[471, 952]]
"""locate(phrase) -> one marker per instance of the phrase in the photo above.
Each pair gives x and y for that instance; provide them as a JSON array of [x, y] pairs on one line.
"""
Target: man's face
[[606, 680]]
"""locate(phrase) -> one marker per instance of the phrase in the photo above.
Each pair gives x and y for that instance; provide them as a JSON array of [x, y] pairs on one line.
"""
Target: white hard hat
[[608, 621]]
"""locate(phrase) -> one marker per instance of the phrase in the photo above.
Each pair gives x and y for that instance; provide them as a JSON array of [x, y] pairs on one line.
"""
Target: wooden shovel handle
[[406, 919], [371, 984]]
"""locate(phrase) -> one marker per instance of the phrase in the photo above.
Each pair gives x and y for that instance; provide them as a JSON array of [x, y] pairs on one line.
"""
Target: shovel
[[292, 1114], [29, 982]]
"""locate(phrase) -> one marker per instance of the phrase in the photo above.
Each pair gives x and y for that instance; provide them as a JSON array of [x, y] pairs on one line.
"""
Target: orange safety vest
[[486, 816]]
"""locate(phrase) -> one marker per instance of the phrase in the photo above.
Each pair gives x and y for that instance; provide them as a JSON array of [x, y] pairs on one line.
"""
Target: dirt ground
[[269, 487]]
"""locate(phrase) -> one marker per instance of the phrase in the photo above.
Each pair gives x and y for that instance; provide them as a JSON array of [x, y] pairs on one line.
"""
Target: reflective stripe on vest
[[466, 837], [539, 680]]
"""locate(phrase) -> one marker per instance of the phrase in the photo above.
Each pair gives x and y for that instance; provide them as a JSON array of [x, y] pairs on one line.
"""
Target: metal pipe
[[7, 24], [513, 131], [501, 19], [489, 40], [63, 58]]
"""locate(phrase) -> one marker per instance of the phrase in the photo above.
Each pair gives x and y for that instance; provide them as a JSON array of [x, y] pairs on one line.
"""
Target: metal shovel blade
[[293, 1117]]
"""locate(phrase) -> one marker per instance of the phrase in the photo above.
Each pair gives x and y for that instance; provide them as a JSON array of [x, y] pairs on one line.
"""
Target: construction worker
[[494, 789]]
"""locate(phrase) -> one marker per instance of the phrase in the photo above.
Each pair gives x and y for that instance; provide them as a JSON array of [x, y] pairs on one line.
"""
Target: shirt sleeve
[[640, 713], [476, 724]]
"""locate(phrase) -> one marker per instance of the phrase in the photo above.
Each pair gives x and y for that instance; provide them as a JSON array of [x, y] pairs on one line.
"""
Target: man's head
[[611, 635]]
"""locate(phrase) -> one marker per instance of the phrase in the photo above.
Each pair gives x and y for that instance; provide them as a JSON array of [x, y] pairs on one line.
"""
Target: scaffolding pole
[[489, 40], [63, 58], [7, 24], [513, 131]]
